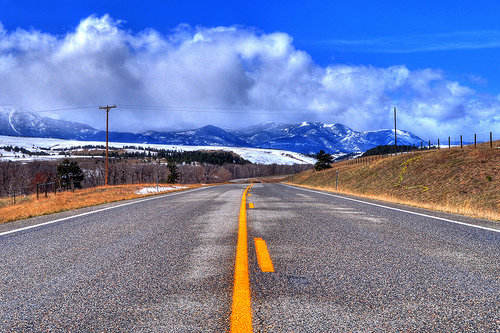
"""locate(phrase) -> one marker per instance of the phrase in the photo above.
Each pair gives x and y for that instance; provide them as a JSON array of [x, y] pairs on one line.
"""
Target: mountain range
[[305, 137]]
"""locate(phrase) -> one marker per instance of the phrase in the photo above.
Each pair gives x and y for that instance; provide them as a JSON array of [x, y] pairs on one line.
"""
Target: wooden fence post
[[336, 180], [461, 145]]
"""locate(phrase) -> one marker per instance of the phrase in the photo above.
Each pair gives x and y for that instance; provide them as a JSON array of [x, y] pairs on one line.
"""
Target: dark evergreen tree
[[173, 177], [324, 160], [388, 149], [68, 170]]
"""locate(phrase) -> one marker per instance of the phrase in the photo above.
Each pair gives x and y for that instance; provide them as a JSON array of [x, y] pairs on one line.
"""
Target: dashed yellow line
[[241, 312], [263, 257], [250, 205]]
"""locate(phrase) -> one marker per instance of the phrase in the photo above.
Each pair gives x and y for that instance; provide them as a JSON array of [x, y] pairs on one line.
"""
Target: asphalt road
[[167, 265]]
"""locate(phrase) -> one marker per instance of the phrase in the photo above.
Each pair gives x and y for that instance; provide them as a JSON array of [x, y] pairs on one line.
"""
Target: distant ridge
[[310, 137], [305, 137]]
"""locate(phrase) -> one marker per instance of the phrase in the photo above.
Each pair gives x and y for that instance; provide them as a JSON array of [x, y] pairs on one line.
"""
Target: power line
[[346, 111], [194, 107], [66, 109], [316, 111], [238, 110]]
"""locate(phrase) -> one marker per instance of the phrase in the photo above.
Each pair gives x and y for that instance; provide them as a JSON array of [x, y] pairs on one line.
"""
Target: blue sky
[[451, 45]]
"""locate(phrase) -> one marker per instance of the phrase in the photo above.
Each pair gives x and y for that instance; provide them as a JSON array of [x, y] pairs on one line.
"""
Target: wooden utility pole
[[107, 108], [395, 134]]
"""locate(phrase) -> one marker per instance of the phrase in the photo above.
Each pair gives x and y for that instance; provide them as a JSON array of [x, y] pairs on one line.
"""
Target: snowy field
[[53, 146]]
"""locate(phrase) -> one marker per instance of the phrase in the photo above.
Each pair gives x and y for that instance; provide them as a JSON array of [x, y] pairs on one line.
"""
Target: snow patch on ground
[[149, 190]]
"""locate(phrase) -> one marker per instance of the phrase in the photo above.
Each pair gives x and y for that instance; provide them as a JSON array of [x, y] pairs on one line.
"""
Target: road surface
[[167, 264]]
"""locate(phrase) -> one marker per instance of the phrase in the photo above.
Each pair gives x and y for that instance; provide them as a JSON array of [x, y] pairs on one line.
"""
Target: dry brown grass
[[29, 206], [459, 181]]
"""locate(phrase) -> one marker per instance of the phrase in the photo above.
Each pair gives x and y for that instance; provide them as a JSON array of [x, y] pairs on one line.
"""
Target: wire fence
[[470, 141]]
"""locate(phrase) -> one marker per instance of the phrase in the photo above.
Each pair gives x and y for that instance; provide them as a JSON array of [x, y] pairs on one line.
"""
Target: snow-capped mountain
[[310, 137], [306, 137], [15, 122], [207, 135]]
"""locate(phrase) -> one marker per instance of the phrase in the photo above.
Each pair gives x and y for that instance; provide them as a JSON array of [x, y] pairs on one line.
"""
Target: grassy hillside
[[463, 181]]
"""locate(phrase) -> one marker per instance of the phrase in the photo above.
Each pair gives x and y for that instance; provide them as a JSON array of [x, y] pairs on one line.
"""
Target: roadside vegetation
[[28, 206], [462, 181]]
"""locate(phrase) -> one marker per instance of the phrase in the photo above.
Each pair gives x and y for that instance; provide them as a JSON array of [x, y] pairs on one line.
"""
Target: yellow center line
[[250, 205], [241, 312], [263, 257]]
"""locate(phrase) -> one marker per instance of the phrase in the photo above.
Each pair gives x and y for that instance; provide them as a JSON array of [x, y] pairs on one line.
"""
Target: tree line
[[24, 151], [23, 177], [388, 149], [215, 157]]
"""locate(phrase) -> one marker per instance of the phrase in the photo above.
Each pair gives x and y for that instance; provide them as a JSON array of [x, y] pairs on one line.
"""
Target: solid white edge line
[[396, 209], [102, 209]]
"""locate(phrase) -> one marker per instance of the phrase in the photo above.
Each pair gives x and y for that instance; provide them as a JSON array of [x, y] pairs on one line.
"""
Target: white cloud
[[458, 40], [258, 74]]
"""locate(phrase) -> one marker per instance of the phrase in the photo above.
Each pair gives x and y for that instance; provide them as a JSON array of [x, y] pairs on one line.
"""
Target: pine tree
[[68, 170], [324, 160], [173, 177]]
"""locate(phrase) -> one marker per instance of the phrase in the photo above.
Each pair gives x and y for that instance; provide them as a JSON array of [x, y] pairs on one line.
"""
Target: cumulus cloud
[[199, 72]]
